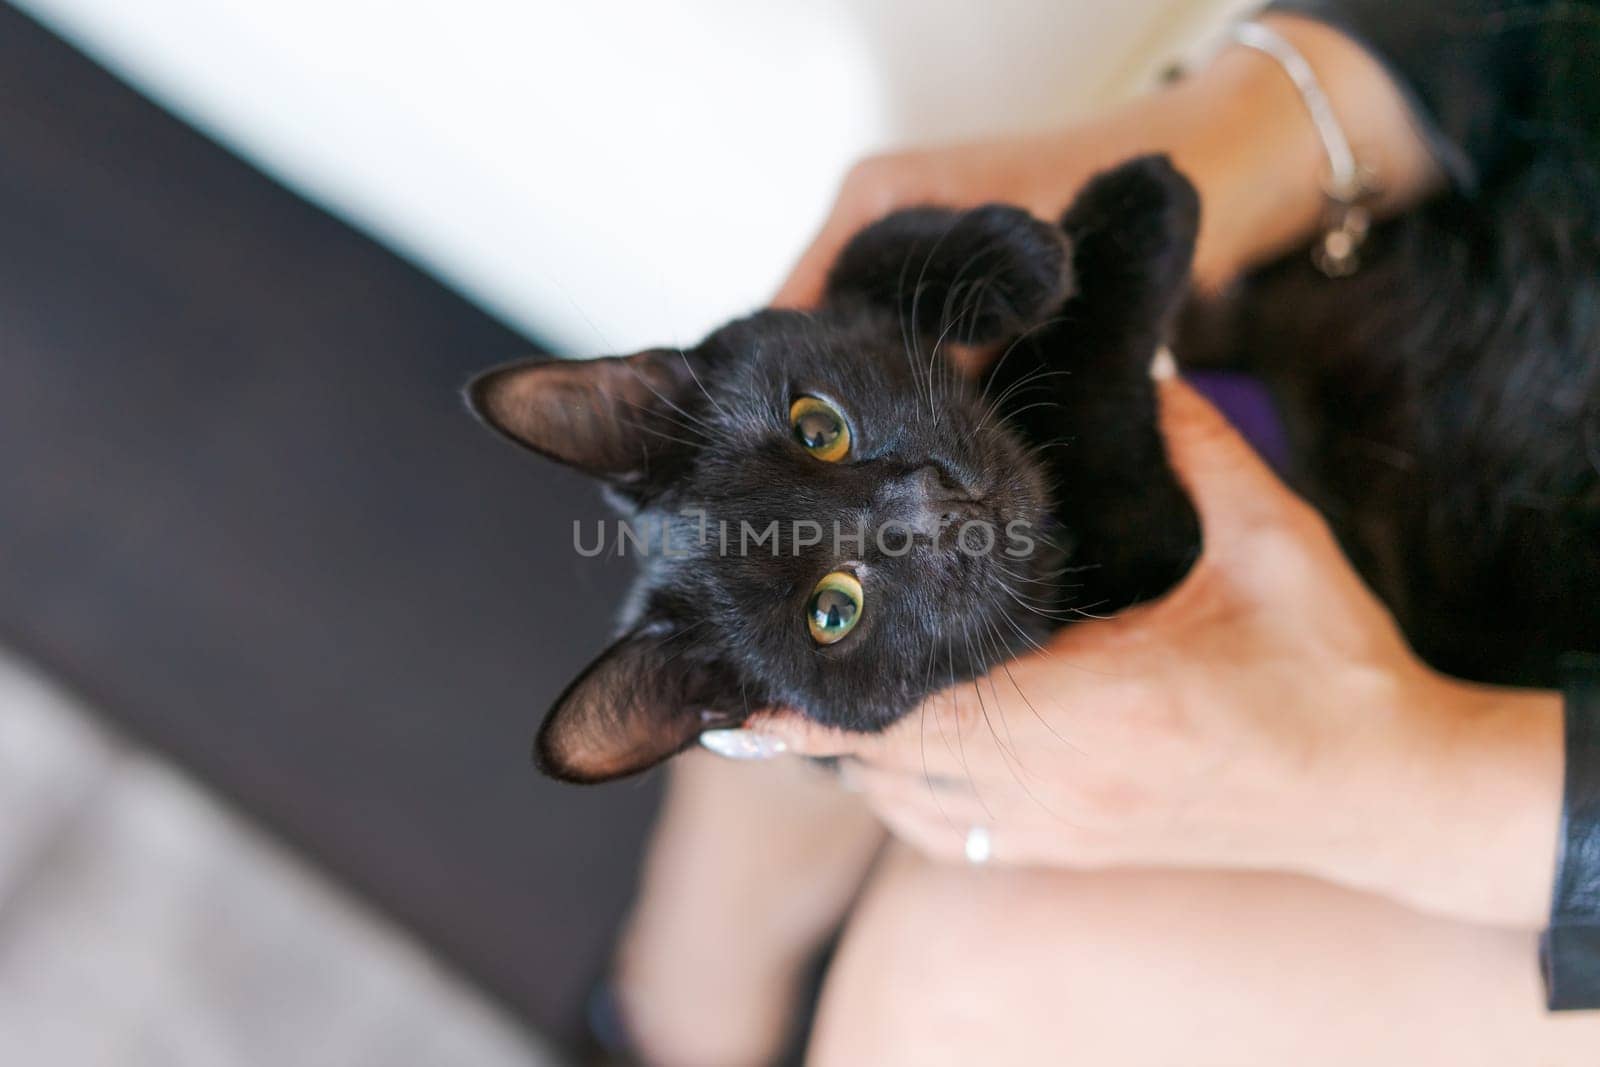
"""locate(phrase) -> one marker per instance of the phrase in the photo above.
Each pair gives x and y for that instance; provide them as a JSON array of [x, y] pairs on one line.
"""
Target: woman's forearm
[[1464, 821], [1237, 128], [1241, 131]]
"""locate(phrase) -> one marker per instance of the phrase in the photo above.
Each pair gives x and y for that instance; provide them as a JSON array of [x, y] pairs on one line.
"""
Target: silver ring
[[979, 846]]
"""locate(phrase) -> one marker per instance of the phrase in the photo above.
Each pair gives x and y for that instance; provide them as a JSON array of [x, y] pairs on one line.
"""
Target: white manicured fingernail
[[979, 846], [743, 744], [1163, 366]]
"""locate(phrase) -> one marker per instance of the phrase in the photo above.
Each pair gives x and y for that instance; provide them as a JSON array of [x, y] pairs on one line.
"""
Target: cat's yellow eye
[[834, 607], [819, 428]]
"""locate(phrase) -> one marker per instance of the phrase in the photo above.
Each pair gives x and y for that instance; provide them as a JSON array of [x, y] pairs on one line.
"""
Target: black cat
[[1442, 405], [843, 522]]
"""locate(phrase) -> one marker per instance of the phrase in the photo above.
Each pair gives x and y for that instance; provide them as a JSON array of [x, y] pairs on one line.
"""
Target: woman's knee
[[960, 965]]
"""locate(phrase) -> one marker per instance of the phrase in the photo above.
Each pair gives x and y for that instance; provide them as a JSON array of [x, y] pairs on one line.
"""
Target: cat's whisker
[[922, 741], [904, 313], [1086, 613], [1043, 613], [960, 749], [688, 423], [932, 359], [1024, 598], [984, 711], [1031, 379], [1036, 451], [1053, 587], [1006, 666], [1037, 404], [975, 291], [1028, 639], [1044, 578], [1008, 756], [642, 428], [699, 431], [688, 365], [681, 648], [1000, 652], [1025, 335], [1045, 596], [1023, 785], [659, 395], [916, 298]]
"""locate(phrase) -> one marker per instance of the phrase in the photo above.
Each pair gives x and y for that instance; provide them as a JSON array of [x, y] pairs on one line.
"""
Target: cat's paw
[[1133, 229], [977, 276]]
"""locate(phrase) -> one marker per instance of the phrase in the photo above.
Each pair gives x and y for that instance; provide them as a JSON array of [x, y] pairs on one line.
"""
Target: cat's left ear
[[620, 418], [976, 277], [644, 699]]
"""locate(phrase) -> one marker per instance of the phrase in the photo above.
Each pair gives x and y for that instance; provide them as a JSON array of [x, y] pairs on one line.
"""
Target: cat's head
[[833, 516]]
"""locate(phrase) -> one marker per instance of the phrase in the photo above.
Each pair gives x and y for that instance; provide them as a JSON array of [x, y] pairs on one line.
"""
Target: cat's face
[[855, 526], [837, 519]]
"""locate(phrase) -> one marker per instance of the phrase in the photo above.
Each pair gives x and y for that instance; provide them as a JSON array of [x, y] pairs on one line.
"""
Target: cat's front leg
[[1080, 391]]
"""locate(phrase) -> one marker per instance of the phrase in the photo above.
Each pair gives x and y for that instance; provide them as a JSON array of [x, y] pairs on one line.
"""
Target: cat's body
[[1441, 407], [1053, 451]]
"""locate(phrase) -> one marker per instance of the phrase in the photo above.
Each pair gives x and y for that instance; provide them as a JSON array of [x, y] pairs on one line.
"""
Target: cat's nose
[[930, 482], [928, 496]]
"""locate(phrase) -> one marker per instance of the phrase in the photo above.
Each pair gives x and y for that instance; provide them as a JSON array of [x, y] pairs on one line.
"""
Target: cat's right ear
[[642, 700], [619, 418], [976, 277]]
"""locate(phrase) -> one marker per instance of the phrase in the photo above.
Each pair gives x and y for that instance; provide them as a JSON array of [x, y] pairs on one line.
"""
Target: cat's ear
[[976, 276], [640, 702], [1133, 231], [620, 418]]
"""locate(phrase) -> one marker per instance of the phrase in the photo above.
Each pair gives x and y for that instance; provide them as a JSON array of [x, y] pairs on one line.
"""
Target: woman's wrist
[[1466, 820], [1240, 130], [1237, 128]]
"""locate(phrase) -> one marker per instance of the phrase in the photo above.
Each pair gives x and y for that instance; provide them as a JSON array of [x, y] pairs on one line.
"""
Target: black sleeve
[[1570, 949], [1487, 79]]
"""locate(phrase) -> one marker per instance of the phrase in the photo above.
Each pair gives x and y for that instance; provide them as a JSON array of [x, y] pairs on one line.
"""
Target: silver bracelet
[[1348, 187]]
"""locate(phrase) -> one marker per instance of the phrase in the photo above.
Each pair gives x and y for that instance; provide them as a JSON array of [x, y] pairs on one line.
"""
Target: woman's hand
[[1265, 714], [1237, 128]]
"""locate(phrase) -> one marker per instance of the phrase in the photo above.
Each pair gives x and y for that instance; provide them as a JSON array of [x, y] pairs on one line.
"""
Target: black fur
[[1061, 435], [1444, 411]]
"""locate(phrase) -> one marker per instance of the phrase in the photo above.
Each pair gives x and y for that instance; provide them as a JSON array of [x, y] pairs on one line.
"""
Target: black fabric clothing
[[1489, 80], [1491, 84], [1570, 948]]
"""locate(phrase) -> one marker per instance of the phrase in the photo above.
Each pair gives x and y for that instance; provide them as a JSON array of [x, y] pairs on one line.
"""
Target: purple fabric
[[1247, 403]]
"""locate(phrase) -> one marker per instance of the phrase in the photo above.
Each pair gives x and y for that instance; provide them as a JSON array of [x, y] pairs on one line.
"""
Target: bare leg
[[751, 866], [962, 965]]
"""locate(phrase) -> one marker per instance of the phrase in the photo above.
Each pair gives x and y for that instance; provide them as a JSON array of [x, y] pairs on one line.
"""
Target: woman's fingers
[[804, 287], [935, 795], [980, 729], [936, 838], [937, 817], [990, 822]]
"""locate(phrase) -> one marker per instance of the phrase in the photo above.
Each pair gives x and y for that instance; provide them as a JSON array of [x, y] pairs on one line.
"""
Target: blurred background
[[272, 639]]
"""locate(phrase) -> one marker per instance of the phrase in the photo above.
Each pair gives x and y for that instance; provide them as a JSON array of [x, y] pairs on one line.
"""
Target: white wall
[[614, 173]]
